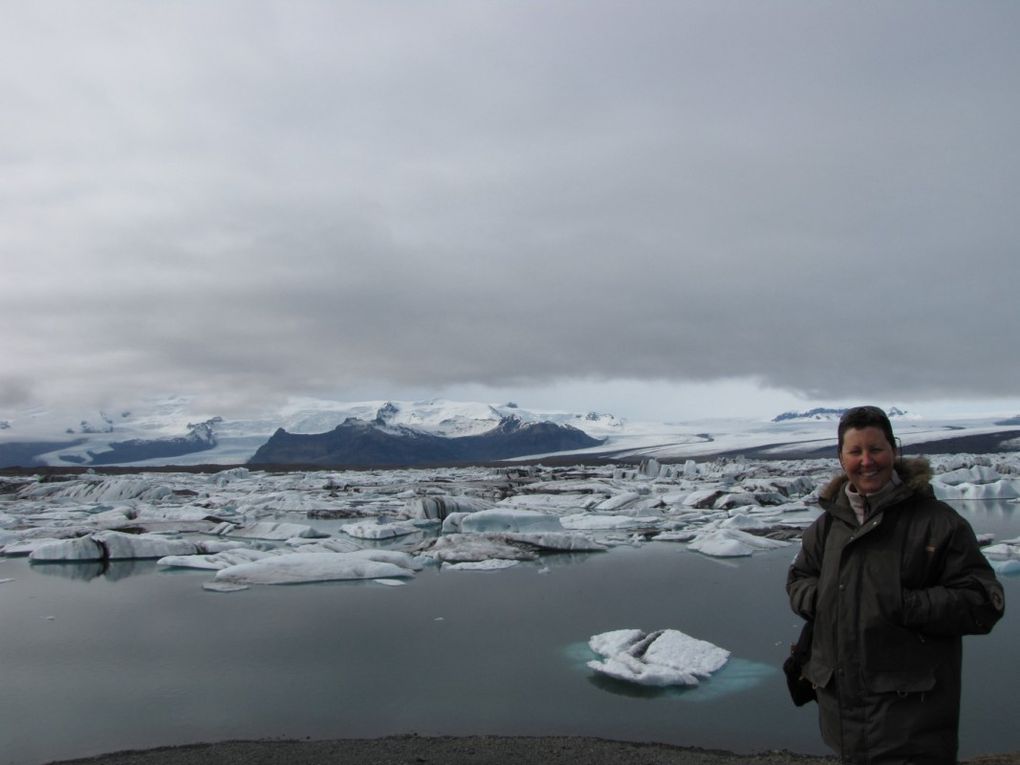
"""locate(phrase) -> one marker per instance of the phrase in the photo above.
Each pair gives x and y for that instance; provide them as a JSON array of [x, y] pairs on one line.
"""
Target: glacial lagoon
[[139, 656]]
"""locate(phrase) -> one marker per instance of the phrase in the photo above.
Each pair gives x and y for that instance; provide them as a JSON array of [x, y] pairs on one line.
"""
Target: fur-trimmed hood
[[915, 472]]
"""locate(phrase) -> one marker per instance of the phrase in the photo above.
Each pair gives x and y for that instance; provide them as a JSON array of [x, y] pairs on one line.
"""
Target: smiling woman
[[866, 448], [892, 578]]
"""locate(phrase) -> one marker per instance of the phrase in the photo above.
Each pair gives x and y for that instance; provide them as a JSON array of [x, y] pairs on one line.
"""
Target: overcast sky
[[722, 205]]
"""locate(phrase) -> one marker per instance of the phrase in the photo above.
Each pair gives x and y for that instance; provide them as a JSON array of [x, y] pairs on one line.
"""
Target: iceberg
[[111, 545], [558, 541], [120, 546], [597, 522], [270, 530], [461, 548], [1006, 567], [297, 568], [617, 502], [732, 543], [67, 550], [493, 564], [374, 530], [661, 658], [976, 474], [438, 508], [215, 561], [499, 519]]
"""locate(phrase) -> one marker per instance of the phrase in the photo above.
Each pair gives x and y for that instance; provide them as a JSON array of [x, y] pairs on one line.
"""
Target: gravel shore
[[443, 750]]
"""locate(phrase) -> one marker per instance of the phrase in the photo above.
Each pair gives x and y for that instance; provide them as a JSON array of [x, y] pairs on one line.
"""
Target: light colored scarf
[[863, 504]]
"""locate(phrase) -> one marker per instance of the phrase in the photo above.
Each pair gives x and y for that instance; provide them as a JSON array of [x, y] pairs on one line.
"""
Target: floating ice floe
[[976, 474], [270, 530], [732, 543], [461, 548], [661, 658], [976, 482], [25, 546], [111, 545], [1004, 557], [438, 508], [92, 489], [599, 522], [297, 568], [500, 519], [557, 541], [375, 530], [216, 561], [493, 564]]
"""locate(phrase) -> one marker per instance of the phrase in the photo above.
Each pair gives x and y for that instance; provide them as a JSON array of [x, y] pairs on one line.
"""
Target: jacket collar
[[914, 472]]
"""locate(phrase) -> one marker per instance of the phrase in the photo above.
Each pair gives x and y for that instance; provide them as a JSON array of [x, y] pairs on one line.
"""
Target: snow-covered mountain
[[379, 443], [828, 414], [173, 431]]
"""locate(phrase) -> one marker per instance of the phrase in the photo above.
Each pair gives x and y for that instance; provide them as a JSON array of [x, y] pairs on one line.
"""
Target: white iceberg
[[297, 568], [459, 548], [597, 522], [111, 545], [68, 550], [215, 561], [120, 546], [329, 544], [500, 519], [374, 530], [1001, 489], [493, 564], [976, 474], [557, 541], [617, 502], [732, 543], [661, 658], [271, 531], [438, 508], [1006, 567]]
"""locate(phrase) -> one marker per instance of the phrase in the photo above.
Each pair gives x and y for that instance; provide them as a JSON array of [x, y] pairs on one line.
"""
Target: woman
[[892, 578]]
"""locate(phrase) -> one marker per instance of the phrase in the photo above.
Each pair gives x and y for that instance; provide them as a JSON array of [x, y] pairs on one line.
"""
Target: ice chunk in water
[[660, 658]]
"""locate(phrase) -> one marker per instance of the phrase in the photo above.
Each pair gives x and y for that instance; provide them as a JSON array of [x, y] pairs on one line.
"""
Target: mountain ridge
[[361, 442]]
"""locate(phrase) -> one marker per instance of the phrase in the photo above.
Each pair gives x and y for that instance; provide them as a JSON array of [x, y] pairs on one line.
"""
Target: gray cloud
[[268, 198]]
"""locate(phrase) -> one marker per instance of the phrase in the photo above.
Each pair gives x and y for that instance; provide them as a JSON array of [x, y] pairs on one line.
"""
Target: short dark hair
[[864, 417]]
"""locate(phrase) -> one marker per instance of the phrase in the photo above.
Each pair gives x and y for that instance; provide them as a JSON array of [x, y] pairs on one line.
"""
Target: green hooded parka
[[891, 599]]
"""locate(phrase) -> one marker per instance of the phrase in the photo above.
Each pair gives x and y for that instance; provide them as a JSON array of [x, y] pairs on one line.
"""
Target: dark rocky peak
[[511, 423], [204, 431], [386, 412]]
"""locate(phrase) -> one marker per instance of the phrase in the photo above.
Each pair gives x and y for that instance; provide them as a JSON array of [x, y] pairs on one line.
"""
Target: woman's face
[[867, 458]]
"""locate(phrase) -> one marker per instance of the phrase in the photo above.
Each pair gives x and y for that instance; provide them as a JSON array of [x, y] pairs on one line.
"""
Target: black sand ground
[[479, 750]]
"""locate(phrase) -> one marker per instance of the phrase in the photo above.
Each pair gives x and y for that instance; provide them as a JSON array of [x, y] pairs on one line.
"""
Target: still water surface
[[138, 656]]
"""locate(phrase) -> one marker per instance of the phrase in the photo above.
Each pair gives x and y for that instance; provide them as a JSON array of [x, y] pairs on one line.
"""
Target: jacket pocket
[[900, 682], [817, 673]]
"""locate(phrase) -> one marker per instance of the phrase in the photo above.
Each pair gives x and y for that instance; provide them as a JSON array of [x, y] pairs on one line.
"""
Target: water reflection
[[85, 571], [500, 652]]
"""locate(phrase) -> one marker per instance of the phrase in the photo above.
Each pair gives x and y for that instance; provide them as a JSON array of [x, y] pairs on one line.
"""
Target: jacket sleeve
[[802, 578], [967, 600]]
